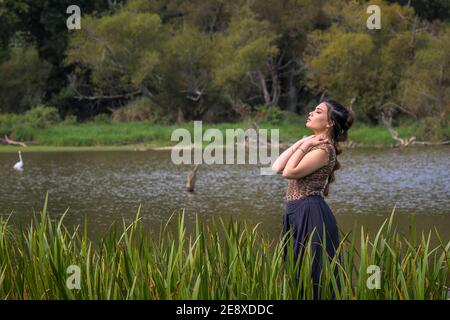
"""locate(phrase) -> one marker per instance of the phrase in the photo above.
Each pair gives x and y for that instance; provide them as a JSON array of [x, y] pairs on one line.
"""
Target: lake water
[[110, 185]]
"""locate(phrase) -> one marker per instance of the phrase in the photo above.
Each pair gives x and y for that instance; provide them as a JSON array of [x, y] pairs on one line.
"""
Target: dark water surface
[[110, 185]]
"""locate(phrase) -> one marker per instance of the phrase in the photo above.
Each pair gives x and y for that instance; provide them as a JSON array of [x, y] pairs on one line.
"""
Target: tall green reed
[[222, 260]]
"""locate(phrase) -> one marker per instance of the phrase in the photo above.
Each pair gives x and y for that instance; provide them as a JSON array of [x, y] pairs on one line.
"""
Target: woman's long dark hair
[[342, 119]]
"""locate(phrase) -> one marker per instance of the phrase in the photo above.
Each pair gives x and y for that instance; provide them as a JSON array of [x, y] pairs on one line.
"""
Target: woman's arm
[[280, 163], [303, 163]]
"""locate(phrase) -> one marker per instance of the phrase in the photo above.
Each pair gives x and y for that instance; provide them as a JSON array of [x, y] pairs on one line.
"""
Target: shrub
[[139, 109], [23, 132], [102, 118], [269, 113], [7, 123], [42, 116], [431, 128], [70, 119], [292, 118]]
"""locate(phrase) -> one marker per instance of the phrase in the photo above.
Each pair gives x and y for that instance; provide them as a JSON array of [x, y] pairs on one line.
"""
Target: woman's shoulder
[[328, 148]]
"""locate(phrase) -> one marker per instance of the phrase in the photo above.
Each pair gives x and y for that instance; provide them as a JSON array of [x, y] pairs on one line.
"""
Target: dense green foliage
[[205, 59]]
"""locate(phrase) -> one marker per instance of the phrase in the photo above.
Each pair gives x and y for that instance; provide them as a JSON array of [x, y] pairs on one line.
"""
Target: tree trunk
[[292, 93], [180, 116], [263, 87], [276, 89]]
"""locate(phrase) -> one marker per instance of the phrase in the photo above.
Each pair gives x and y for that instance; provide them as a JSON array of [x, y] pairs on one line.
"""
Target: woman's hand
[[280, 163], [313, 141], [306, 139], [300, 142]]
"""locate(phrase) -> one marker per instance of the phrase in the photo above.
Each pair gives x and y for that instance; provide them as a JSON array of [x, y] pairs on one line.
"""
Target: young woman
[[309, 166]]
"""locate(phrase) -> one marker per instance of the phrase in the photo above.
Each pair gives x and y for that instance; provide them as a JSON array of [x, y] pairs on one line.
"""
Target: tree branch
[[386, 118], [118, 96], [12, 142]]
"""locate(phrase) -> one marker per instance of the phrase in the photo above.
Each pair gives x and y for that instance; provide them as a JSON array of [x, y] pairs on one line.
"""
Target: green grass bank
[[128, 136]]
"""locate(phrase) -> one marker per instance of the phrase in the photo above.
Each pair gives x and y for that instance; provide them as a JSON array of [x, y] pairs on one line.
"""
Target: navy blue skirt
[[304, 216]]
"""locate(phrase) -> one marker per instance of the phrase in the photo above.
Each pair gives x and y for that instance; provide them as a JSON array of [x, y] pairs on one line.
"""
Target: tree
[[429, 9], [42, 24], [241, 57], [349, 61], [8, 24], [426, 85], [292, 20], [23, 80], [343, 65], [122, 52], [186, 83]]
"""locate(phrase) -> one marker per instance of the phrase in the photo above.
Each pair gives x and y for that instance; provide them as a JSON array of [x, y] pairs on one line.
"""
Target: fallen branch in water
[[386, 118], [12, 142], [190, 180]]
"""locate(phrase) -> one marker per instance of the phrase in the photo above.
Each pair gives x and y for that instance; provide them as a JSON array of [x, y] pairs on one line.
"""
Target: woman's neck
[[326, 133]]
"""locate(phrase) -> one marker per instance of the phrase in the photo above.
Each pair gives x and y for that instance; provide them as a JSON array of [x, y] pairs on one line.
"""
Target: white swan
[[19, 165]]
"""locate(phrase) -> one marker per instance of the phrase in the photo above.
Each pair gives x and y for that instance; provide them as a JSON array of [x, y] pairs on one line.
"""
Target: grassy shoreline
[[142, 136]]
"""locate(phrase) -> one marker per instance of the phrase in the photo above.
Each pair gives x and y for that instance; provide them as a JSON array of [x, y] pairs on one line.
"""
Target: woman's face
[[318, 118]]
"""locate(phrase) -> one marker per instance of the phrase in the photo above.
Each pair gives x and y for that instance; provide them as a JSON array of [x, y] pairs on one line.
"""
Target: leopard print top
[[314, 183]]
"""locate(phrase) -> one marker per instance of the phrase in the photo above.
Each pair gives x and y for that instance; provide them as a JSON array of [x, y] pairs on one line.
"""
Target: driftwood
[[386, 118], [352, 102], [12, 142], [190, 180]]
